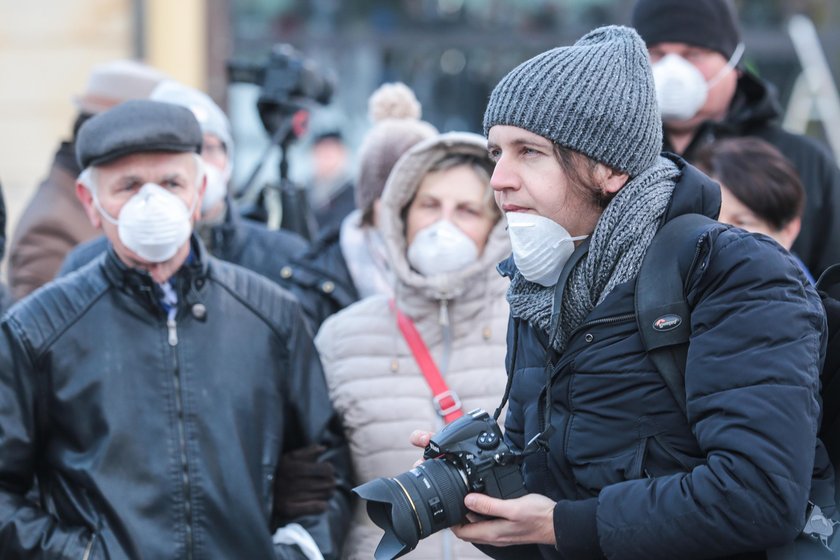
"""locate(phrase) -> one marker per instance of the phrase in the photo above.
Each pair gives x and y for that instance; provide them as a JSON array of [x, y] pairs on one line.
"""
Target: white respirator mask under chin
[[541, 247], [154, 223], [681, 89]]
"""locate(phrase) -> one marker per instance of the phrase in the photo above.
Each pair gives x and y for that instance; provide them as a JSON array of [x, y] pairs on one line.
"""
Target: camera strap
[[446, 401]]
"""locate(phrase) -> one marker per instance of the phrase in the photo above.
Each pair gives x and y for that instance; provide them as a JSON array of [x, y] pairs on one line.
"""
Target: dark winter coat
[[321, 280], [157, 439], [633, 476], [755, 111]]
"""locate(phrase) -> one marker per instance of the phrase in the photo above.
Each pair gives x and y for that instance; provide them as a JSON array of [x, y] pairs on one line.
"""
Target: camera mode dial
[[487, 441]]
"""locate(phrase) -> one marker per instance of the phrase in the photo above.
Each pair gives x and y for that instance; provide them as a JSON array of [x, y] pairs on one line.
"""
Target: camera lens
[[413, 505]]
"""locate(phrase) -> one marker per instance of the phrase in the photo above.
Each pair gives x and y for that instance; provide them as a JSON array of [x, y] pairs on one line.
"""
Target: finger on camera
[[477, 533], [484, 505], [420, 438]]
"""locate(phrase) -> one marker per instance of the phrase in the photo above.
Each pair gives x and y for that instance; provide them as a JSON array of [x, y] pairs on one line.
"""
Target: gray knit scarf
[[618, 245]]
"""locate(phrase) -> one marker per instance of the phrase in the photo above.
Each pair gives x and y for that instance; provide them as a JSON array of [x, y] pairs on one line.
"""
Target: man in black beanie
[[703, 95]]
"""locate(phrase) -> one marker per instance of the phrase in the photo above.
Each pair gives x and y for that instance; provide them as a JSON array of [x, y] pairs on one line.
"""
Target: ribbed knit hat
[[595, 97], [711, 24]]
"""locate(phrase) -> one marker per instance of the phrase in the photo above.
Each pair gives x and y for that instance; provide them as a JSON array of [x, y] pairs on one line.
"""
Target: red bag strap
[[446, 401]]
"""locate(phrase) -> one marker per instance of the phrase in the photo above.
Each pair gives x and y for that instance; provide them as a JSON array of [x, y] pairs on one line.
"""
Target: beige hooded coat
[[375, 383]]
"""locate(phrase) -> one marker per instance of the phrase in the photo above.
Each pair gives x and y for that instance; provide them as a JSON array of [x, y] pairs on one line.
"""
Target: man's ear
[[787, 235], [201, 188], [86, 198]]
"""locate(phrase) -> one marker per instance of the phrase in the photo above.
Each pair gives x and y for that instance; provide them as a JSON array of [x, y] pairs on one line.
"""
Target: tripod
[[281, 205]]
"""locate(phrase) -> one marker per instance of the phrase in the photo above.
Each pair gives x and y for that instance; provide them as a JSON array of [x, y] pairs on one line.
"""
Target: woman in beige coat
[[444, 236]]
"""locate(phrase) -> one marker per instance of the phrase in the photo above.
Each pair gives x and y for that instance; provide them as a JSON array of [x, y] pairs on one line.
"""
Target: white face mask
[[540, 246], [681, 90], [154, 223], [441, 247], [216, 189]]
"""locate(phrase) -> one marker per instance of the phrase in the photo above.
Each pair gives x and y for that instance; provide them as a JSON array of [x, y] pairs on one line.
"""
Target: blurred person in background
[[175, 380], [5, 295], [226, 235], [54, 221], [695, 48], [350, 263], [444, 235], [760, 190], [330, 189]]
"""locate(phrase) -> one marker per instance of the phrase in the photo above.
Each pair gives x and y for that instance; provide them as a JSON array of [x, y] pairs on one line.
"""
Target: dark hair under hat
[[711, 24], [134, 127]]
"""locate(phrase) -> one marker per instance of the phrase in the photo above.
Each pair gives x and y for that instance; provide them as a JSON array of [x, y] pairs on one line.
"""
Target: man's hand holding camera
[[525, 520]]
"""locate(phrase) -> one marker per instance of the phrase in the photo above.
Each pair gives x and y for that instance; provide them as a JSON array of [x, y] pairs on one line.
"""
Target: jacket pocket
[[661, 459], [593, 475]]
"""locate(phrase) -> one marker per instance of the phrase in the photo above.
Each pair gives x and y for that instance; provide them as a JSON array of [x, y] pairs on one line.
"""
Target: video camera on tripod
[[290, 85]]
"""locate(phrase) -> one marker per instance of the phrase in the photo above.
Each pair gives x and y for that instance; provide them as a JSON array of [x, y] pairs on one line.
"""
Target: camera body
[[475, 446], [288, 82], [468, 455]]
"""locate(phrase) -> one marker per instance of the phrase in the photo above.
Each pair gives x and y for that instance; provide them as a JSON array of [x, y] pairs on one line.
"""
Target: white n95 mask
[[441, 247], [540, 246], [154, 223], [216, 187], [681, 89]]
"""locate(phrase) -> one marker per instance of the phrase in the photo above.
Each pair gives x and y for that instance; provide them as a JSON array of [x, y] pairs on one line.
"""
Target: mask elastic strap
[[101, 210], [730, 64]]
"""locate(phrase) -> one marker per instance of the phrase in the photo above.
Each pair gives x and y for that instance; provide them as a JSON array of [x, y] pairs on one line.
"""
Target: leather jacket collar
[[190, 280]]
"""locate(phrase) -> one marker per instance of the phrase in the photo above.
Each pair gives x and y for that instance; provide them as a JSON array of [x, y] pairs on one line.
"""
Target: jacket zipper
[[555, 370], [172, 330]]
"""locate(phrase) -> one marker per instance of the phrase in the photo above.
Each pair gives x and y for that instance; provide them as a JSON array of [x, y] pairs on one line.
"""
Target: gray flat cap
[[137, 126]]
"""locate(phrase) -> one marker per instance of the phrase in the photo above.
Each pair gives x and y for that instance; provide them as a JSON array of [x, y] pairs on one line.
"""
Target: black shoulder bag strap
[[662, 313]]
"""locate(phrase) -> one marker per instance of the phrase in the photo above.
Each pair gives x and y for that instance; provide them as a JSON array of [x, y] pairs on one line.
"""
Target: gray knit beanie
[[595, 97]]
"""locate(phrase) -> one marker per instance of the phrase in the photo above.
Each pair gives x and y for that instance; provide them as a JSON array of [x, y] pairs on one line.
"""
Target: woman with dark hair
[[760, 190]]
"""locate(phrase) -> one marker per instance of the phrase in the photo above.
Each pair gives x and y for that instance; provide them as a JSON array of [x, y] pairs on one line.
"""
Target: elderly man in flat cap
[[151, 392]]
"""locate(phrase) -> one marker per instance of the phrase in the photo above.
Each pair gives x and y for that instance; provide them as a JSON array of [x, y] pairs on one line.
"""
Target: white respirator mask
[[154, 223], [681, 89], [540, 246], [440, 248]]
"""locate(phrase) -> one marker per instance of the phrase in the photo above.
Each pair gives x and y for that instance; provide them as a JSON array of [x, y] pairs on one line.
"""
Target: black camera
[[468, 455], [288, 82]]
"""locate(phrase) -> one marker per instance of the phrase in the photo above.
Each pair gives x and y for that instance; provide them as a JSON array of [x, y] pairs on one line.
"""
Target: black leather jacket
[[321, 280], [153, 438]]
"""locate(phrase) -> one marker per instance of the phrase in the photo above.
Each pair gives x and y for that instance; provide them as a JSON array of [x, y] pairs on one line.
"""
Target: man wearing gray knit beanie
[[614, 465]]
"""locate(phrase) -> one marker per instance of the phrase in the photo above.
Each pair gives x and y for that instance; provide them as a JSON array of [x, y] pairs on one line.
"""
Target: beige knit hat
[[395, 113], [113, 82]]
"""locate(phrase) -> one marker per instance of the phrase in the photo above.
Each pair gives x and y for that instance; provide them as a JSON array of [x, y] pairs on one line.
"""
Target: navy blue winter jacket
[[633, 476]]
